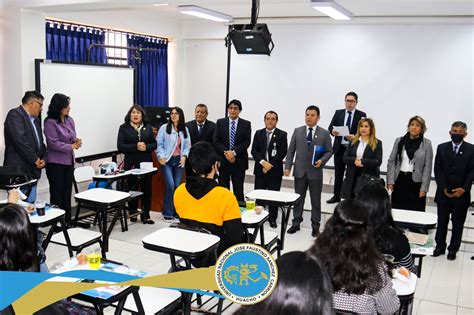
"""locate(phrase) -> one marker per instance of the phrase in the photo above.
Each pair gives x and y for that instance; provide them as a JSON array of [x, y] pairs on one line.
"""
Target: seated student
[[19, 252], [201, 202], [296, 292], [360, 277], [388, 238]]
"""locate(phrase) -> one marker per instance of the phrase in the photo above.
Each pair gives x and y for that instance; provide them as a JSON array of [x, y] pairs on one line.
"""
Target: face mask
[[457, 138]]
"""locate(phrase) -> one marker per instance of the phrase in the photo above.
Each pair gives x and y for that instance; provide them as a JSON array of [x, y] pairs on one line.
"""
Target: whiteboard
[[398, 71], [100, 98]]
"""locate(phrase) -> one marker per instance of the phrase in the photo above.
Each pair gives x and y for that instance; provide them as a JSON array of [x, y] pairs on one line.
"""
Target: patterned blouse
[[385, 301]]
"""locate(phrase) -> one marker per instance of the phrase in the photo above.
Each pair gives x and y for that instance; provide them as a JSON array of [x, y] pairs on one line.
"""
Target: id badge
[[274, 150]]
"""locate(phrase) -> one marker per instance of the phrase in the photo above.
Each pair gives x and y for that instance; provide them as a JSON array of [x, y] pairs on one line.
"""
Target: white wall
[[399, 70]]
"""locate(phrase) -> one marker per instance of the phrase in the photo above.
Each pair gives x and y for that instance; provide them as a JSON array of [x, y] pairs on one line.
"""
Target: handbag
[[365, 179]]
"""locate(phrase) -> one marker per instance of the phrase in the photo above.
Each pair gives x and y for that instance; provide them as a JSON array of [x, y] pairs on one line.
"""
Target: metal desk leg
[[138, 302], [284, 224], [66, 237], [48, 236], [105, 236]]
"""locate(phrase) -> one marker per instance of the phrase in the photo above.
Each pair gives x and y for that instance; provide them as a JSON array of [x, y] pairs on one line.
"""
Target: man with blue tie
[[231, 140], [454, 173], [310, 146], [24, 146], [350, 117]]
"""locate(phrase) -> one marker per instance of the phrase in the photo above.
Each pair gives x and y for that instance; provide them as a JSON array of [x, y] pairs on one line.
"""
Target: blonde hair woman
[[363, 156]]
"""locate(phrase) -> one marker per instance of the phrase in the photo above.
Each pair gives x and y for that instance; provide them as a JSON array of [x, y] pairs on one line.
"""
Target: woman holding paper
[[135, 139], [409, 167], [362, 157]]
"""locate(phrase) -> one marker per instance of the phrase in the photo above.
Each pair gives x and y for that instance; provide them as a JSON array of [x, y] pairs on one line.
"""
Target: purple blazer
[[59, 139]]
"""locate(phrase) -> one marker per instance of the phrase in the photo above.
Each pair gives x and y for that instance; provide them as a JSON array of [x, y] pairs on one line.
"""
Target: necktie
[[269, 138], [232, 134], [199, 128], [309, 139], [348, 121], [455, 150]]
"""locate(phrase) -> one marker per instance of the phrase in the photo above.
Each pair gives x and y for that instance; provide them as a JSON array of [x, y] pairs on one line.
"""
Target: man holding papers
[[312, 146], [343, 127]]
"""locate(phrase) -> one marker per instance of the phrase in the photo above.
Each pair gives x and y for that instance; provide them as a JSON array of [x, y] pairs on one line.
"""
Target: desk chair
[[80, 239]]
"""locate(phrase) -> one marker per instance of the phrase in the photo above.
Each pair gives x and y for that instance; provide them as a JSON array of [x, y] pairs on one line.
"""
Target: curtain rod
[[55, 20]]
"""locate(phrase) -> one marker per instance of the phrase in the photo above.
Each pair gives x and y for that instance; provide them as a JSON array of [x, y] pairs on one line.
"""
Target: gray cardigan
[[422, 164]]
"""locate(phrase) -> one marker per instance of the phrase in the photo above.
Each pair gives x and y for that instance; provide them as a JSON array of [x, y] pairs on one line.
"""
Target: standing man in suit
[[231, 140], [269, 148], [312, 145], [454, 173], [24, 146], [350, 117], [200, 129]]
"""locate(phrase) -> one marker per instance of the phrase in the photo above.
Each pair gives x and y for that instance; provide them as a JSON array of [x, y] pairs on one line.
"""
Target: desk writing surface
[[404, 287], [414, 217], [50, 214], [102, 195], [251, 217], [271, 195], [110, 176], [181, 240]]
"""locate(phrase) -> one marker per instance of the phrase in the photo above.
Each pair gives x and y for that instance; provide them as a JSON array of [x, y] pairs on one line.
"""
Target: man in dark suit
[[200, 129], [349, 117], [312, 146], [231, 140], [24, 146], [454, 173], [268, 150]]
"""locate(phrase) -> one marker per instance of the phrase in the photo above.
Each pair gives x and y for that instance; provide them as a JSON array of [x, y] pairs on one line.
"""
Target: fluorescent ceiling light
[[332, 9], [205, 13], [160, 4]]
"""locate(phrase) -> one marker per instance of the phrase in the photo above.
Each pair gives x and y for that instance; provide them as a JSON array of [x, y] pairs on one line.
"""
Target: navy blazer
[[338, 120], [127, 140], [278, 142], [21, 145], [242, 140], [454, 171], [206, 134]]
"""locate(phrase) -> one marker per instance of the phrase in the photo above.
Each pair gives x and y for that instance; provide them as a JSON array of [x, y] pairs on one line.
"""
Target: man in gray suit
[[312, 145]]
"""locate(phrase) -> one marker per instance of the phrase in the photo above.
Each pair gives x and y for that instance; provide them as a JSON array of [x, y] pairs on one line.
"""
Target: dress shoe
[[334, 200], [273, 224], [438, 251], [315, 233], [293, 229], [451, 255]]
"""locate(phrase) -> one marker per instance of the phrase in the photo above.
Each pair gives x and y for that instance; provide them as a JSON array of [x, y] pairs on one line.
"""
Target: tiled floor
[[445, 287]]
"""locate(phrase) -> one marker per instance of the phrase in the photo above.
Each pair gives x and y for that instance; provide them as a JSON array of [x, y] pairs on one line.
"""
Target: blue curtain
[[152, 70], [69, 43]]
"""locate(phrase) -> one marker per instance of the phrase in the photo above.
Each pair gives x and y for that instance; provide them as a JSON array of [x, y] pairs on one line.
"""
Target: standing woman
[[61, 139], [363, 156], [409, 167], [174, 143], [135, 139]]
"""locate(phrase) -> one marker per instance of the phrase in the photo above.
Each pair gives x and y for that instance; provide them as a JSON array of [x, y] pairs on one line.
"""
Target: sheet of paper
[[343, 130]]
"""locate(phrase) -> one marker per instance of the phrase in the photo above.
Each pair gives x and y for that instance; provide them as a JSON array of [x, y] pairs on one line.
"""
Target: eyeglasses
[[40, 103], [350, 101], [173, 113]]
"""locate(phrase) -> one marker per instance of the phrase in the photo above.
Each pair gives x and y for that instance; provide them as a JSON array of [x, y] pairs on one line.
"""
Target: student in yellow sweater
[[201, 202]]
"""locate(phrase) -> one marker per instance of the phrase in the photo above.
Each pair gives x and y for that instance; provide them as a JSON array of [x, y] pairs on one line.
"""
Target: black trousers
[[144, 185], [406, 193], [270, 183], [457, 208], [60, 179], [234, 172], [339, 169]]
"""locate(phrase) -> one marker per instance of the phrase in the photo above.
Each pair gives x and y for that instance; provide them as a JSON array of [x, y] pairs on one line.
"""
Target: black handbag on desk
[[365, 179]]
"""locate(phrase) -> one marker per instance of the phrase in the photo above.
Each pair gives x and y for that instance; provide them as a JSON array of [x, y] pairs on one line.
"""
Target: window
[[116, 56]]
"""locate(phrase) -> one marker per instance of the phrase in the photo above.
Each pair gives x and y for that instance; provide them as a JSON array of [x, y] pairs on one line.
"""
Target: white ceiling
[[268, 8]]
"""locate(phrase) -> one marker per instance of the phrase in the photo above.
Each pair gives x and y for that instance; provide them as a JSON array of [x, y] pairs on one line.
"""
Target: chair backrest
[[83, 173]]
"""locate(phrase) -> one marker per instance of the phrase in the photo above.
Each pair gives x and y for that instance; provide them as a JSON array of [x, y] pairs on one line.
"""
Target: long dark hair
[[377, 201], [303, 287], [347, 250], [18, 247], [138, 108], [58, 103], [181, 122]]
